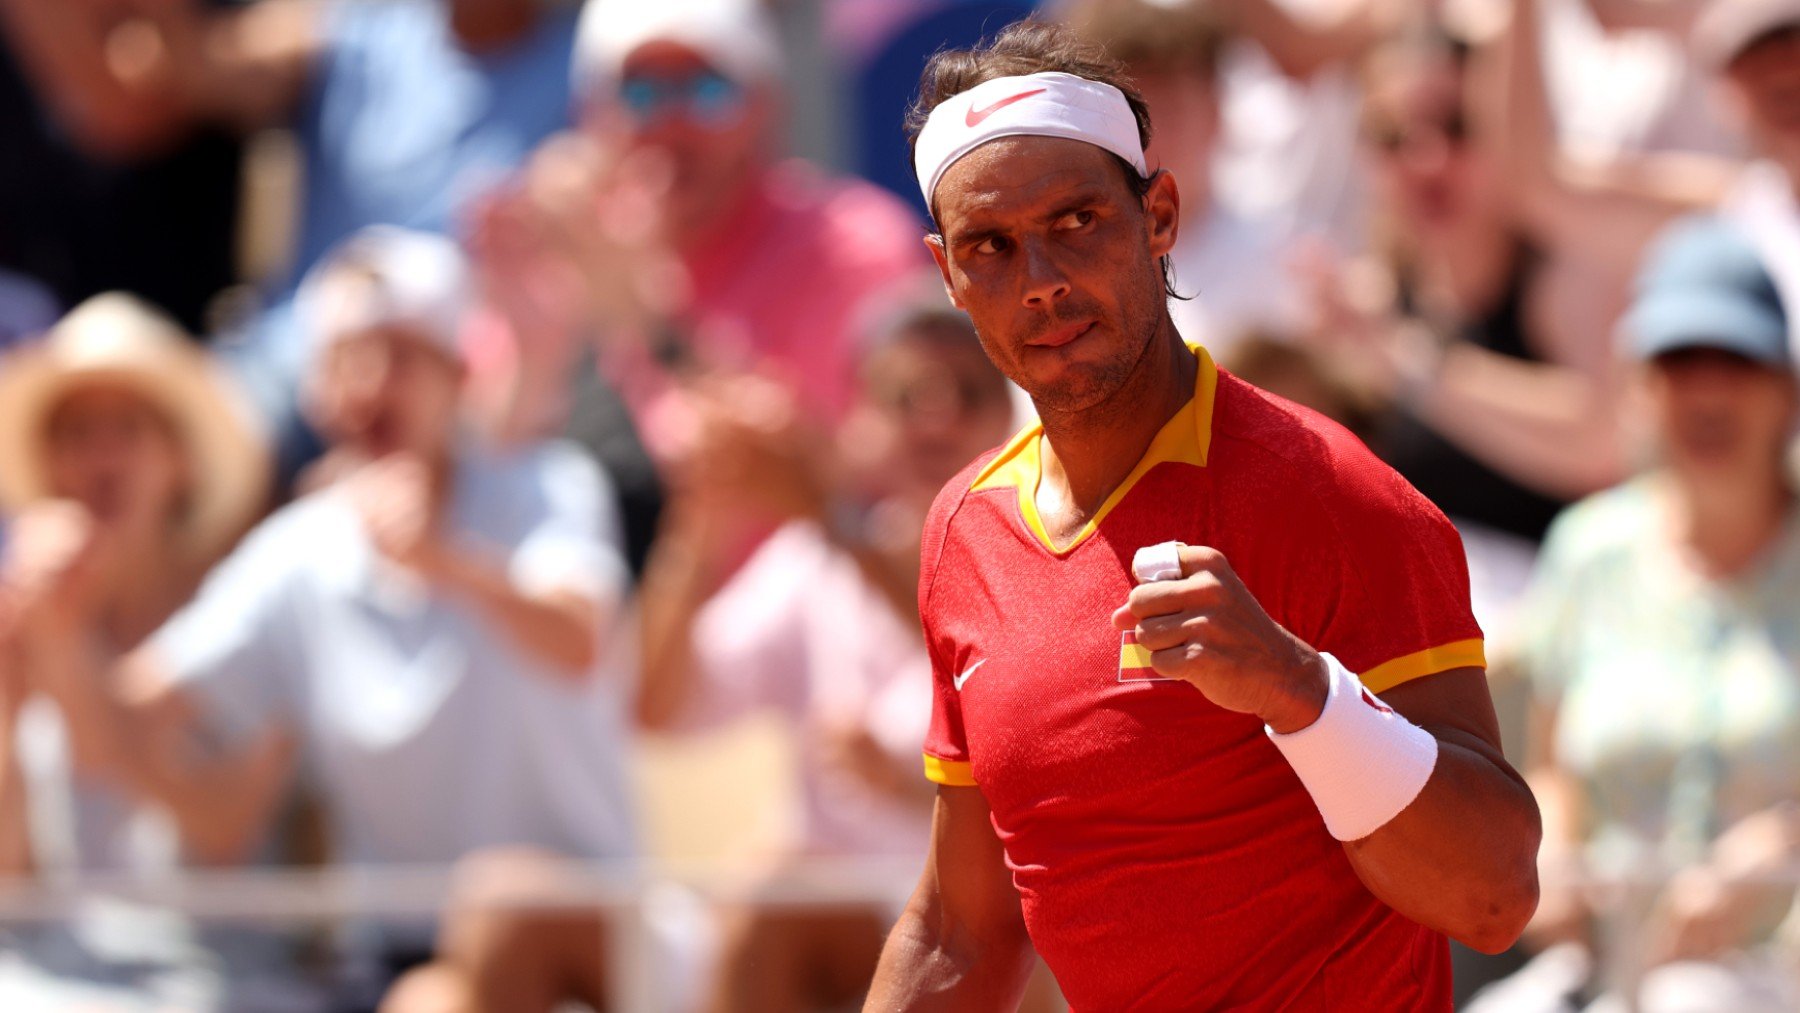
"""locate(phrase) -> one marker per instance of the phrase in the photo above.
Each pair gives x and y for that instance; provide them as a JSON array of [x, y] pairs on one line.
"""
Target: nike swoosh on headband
[[974, 116]]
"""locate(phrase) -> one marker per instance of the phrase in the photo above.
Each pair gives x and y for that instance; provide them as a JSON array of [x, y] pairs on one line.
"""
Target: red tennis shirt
[[1166, 855]]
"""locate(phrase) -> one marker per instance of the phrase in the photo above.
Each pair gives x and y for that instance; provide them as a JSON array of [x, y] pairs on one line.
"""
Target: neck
[[1468, 267], [1088, 453], [1725, 526], [490, 24]]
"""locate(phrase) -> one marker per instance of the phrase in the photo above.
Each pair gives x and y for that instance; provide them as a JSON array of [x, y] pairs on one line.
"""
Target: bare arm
[[1673, 16], [15, 841], [961, 943], [128, 82], [1462, 858], [132, 725], [560, 629], [1302, 47], [678, 579], [1604, 214]]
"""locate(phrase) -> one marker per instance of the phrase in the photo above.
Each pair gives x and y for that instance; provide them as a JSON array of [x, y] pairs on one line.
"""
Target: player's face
[[112, 451], [1767, 80], [384, 392], [1718, 414], [1055, 259]]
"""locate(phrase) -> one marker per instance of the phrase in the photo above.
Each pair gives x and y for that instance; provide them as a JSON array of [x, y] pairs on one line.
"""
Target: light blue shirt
[[427, 732]]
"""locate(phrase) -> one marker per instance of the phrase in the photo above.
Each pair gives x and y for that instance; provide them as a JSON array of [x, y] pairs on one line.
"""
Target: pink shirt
[[798, 630], [786, 287]]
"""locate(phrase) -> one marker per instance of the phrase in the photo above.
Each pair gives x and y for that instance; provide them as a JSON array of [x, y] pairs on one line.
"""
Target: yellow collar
[[1184, 439]]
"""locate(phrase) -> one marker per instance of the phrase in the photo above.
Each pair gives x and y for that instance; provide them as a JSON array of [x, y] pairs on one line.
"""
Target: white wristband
[[1361, 762]]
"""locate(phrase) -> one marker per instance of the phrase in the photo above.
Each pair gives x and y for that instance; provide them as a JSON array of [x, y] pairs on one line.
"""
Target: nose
[[1045, 282]]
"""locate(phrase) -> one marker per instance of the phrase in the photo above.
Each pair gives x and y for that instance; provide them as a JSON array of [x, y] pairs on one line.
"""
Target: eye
[[1075, 220], [991, 245]]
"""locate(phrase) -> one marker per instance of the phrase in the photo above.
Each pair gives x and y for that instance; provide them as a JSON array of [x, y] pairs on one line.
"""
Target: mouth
[[1062, 335]]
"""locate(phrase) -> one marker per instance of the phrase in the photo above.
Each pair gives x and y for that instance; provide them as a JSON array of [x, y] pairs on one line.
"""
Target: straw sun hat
[[117, 340]]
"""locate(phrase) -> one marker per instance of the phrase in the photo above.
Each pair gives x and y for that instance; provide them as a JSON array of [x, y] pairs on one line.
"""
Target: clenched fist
[[1205, 628]]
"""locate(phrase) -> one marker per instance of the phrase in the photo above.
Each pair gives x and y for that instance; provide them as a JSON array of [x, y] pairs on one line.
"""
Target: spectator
[[431, 630], [404, 110], [1505, 398], [1611, 208], [127, 466], [820, 625], [1230, 269], [100, 190], [669, 234], [1662, 641]]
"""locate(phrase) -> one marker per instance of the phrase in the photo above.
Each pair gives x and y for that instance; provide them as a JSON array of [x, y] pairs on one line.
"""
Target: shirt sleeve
[[946, 747], [236, 646], [1392, 601], [576, 545]]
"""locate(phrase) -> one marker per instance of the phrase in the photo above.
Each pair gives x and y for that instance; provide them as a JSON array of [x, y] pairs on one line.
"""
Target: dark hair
[[1032, 46]]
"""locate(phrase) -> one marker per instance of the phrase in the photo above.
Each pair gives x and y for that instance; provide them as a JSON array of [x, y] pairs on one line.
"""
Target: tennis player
[[1211, 725]]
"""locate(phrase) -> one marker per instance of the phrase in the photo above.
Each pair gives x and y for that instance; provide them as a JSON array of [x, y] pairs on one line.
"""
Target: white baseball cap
[[736, 36], [388, 277]]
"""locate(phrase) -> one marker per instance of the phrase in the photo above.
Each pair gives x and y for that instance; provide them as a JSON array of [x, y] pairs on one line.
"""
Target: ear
[[1162, 208], [936, 245]]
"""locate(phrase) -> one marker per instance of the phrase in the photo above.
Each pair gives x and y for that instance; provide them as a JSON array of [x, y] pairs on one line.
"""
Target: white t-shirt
[[797, 629], [426, 732]]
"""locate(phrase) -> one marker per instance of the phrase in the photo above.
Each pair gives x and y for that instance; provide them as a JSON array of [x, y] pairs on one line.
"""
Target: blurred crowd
[[412, 411]]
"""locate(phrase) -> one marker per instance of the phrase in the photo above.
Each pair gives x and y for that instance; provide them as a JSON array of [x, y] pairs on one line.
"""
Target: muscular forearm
[[923, 968], [1462, 858]]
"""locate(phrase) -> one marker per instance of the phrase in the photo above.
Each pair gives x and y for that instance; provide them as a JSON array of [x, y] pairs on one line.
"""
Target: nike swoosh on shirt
[[974, 116], [959, 680]]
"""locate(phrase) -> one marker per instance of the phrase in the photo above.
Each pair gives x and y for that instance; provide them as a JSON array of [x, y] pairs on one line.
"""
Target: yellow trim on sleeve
[[955, 773], [1431, 661], [1184, 439]]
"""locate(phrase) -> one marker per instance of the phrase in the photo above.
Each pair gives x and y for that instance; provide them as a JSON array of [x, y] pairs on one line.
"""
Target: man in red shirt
[[1177, 791]]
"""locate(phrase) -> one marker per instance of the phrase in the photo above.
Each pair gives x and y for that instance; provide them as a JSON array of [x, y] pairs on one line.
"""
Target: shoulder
[[940, 518], [1295, 454]]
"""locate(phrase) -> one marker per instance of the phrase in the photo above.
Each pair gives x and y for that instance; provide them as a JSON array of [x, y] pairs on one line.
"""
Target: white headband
[[1050, 104]]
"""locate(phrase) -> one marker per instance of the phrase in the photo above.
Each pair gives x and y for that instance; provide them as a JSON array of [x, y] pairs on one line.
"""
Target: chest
[[1056, 704]]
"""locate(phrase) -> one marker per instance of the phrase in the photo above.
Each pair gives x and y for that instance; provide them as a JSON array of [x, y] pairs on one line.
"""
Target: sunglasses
[[708, 98], [1393, 138]]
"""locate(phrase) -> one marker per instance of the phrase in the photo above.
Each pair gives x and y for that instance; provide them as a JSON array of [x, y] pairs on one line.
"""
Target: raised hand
[[395, 499], [1205, 628], [53, 562]]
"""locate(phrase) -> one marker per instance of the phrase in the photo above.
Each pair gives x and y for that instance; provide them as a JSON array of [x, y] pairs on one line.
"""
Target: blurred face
[[702, 128], [111, 450], [385, 392], [1767, 80], [1427, 169], [1185, 109], [1056, 260], [933, 403], [1718, 413]]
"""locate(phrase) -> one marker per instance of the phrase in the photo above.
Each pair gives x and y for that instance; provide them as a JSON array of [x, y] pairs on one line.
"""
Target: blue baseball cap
[[1702, 285]]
